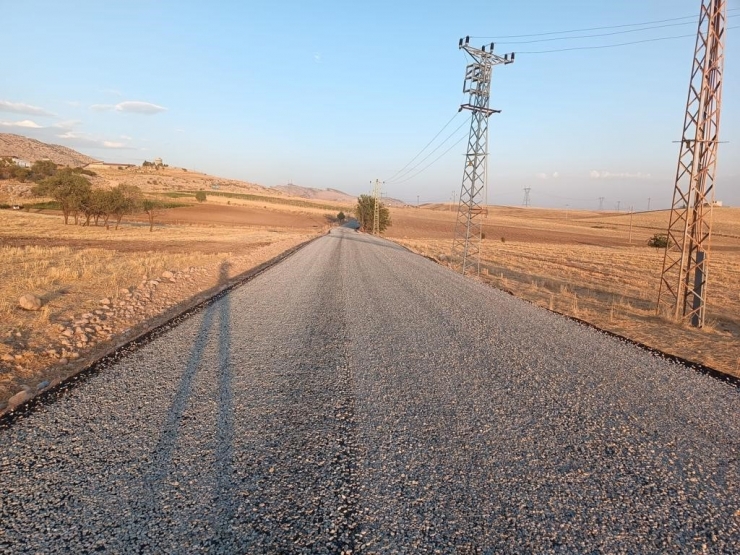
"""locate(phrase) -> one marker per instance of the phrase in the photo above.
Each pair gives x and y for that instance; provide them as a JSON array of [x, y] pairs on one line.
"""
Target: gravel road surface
[[358, 398]]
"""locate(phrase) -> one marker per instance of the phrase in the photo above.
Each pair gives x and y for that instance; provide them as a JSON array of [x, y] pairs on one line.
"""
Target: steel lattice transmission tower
[[468, 226], [525, 203], [683, 284], [376, 207]]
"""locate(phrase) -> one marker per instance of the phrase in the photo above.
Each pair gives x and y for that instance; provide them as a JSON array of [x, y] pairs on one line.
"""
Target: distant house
[[16, 160], [20, 162], [717, 203], [215, 186], [158, 162]]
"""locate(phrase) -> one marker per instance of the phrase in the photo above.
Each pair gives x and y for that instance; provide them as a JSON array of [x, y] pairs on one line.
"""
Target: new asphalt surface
[[358, 398]]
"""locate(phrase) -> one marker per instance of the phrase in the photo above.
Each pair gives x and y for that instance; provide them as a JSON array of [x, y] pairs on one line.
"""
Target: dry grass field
[[73, 268], [589, 265]]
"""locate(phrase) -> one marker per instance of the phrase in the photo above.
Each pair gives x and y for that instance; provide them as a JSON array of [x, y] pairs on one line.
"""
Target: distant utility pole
[[376, 207], [477, 85], [631, 211], [526, 196], [601, 203], [619, 202], [648, 204], [417, 201], [683, 283]]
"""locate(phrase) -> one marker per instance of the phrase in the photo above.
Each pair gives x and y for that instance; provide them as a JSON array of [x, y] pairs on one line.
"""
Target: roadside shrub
[[200, 196], [659, 241]]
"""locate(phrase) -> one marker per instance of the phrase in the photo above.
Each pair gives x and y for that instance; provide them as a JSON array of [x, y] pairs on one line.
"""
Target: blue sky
[[335, 94]]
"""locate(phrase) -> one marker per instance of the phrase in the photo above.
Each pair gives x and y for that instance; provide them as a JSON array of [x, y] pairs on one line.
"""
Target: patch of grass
[[272, 200], [46, 205]]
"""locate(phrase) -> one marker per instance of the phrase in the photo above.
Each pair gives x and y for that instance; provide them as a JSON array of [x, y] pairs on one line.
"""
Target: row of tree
[[77, 199]]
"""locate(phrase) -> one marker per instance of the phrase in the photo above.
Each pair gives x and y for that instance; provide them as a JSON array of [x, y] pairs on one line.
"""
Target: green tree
[[97, 204], [341, 217], [124, 199], [365, 213], [71, 190], [41, 169], [200, 196], [152, 208]]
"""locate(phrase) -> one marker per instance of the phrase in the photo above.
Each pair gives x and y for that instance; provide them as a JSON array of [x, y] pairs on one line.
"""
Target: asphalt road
[[360, 398]]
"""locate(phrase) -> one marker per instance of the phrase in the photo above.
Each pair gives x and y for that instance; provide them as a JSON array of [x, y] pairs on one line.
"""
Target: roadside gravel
[[359, 398]]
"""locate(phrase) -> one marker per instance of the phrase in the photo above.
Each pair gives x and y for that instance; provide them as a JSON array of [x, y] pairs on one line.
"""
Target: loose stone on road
[[358, 398]]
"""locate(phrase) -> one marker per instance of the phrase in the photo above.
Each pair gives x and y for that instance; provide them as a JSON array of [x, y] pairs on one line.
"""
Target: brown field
[[587, 267], [72, 268]]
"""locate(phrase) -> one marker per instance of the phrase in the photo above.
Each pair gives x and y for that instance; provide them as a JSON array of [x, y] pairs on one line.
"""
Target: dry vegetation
[[587, 267], [73, 267]]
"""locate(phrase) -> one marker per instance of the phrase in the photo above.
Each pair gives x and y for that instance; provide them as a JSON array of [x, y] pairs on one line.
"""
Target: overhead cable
[[500, 37]]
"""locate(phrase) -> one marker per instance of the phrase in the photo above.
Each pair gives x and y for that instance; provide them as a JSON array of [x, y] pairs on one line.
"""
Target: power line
[[401, 178], [425, 147], [614, 45], [435, 160], [592, 28], [611, 33]]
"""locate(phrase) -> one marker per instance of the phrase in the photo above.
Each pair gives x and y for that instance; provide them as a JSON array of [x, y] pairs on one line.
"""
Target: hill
[[315, 194], [33, 150], [333, 195]]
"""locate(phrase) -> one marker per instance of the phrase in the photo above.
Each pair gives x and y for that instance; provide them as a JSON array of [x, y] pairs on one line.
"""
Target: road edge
[[698, 367], [140, 335]]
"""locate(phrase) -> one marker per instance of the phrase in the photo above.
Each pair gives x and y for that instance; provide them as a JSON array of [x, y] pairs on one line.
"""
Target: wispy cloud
[[21, 108], [76, 138], [541, 175], [596, 174], [130, 107], [317, 57], [26, 124], [66, 124]]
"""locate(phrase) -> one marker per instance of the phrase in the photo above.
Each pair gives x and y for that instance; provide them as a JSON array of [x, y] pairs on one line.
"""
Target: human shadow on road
[[162, 456]]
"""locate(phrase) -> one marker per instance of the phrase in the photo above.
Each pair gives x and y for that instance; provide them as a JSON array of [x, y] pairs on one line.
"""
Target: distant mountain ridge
[[334, 195], [314, 194], [32, 150]]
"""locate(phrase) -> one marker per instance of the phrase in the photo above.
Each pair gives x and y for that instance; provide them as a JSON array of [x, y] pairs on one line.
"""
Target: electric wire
[[389, 179], [592, 28], [612, 33], [402, 177], [615, 45], [435, 160]]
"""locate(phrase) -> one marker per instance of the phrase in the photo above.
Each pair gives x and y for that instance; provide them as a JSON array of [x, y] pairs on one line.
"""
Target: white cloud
[[541, 175], [555, 175], [26, 123], [138, 107], [595, 174], [130, 106], [317, 57], [21, 108], [66, 124], [85, 140], [102, 107]]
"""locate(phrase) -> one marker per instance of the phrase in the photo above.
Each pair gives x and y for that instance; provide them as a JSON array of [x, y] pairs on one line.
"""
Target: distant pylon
[[468, 226], [526, 196], [683, 282], [601, 203], [376, 207]]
